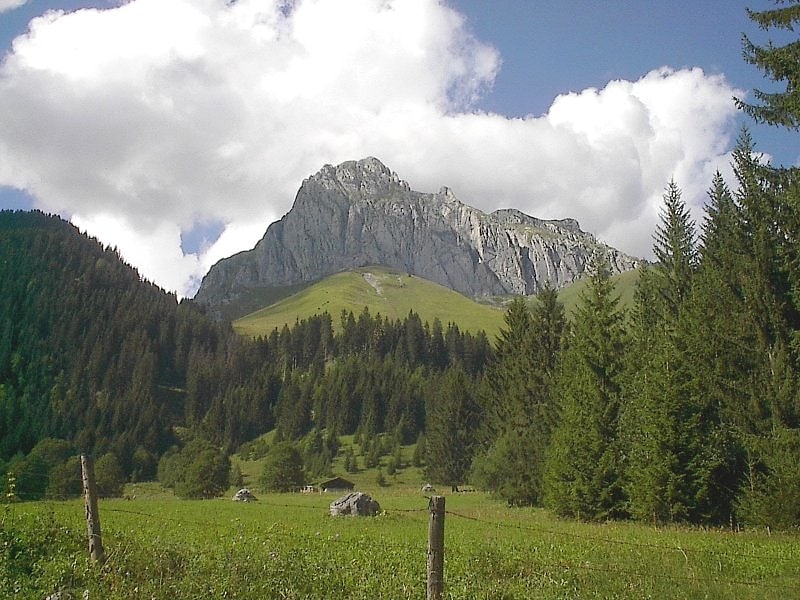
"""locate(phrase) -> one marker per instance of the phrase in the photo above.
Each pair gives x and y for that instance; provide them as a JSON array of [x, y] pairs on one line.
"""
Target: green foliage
[[418, 458], [624, 287], [519, 407], [198, 470], [778, 63], [108, 476], [65, 480], [144, 465], [283, 469], [31, 475], [771, 495], [583, 472], [380, 480], [350, 461], [453, 420], [207, 475]]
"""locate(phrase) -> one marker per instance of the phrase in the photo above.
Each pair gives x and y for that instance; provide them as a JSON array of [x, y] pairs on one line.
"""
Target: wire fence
[[650, 546], [416, 518]]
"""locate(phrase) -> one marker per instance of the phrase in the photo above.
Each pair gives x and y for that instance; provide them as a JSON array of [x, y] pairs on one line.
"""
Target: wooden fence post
[[436, 548], [92, 513]]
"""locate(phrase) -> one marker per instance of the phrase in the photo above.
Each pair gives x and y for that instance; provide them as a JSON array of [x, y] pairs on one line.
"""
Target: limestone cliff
[[361, 213]]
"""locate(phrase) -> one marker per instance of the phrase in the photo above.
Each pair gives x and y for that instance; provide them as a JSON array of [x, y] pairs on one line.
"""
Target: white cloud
[[6, 5], [148, 119]]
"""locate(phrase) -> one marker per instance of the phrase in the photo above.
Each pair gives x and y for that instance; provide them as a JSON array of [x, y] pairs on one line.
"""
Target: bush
[[283, 469], [108, 476], [65, 480], [31, 476], [206, 477], [199, 470], [144, 465]]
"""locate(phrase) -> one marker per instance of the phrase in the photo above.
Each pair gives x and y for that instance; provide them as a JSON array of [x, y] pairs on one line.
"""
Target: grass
[[394, 294], [287, 546], [624, 287], [390, 293]]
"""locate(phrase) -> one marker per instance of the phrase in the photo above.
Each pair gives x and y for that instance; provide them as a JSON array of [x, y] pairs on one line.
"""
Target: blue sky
[[177, 130], [549, 48]]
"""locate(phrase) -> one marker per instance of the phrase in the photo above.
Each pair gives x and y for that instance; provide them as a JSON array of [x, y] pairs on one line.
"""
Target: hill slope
[[393, 294], [383, 291], [88, 351], [624, 287]]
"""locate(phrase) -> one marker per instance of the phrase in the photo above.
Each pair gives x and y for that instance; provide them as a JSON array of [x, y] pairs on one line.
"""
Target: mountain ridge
[[361, 213]]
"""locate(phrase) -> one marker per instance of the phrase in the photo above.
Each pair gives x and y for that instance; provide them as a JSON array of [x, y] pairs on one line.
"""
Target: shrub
[[108, 476], [283, 469], [65, 480]]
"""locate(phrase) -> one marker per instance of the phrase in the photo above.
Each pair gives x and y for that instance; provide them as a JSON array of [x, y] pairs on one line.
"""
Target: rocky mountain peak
[[361, 213], [367, 177]]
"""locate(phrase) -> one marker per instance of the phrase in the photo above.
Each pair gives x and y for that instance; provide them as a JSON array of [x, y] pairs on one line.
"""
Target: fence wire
[[420, 546]]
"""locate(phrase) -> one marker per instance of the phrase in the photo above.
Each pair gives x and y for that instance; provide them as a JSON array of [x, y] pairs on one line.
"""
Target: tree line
[[683, 408], [95, 358]]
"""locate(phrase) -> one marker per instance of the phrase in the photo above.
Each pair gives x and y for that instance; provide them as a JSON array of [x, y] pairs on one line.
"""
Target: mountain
[[91, 353], [95, 359], [361, 213]]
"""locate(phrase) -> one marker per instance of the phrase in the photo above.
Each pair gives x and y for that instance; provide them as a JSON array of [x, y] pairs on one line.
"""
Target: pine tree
[[582, 476], [675, 250], [452, 420], [781, 64], [655, 418], [518, 401]]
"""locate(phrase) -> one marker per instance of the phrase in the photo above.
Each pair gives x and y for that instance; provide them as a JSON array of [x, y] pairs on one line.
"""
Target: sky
[[178, 130]]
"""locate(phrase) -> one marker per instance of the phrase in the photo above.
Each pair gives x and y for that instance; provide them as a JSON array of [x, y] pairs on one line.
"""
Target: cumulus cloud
[[6, 5], [152, 119]]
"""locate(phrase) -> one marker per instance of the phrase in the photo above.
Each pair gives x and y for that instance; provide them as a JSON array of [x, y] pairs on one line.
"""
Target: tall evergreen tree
[[518, 400], [452, 421], [582, 476], [781, 64], [672, 440], [675, 250]]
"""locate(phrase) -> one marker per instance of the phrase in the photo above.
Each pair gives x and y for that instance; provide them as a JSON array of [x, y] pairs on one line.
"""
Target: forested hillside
[[92, 355], [687, 407], [88, 351], [683, 408]]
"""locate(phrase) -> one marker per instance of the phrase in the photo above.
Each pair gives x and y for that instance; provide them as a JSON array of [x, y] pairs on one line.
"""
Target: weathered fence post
[[92, 513], [436, 548]]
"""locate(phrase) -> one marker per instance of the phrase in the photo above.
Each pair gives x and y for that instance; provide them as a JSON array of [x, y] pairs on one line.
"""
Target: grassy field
[[390, 293], [624, 286], [394, 294], [287, 546]]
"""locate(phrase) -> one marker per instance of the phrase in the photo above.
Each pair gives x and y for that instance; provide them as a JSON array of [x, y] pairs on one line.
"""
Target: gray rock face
[[355, 504], [360, 213]]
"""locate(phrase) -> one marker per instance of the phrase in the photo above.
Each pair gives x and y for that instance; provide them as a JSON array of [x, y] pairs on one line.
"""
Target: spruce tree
[[663, 431], [452, 420], [518, 400], [781, 64], [582, 476]]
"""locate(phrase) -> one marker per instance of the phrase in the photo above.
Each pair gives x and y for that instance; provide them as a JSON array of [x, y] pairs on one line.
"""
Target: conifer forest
[[681, 408]]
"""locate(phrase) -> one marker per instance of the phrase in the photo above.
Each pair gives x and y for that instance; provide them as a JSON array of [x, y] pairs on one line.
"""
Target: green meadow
[[287, 546], [391, 293]]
